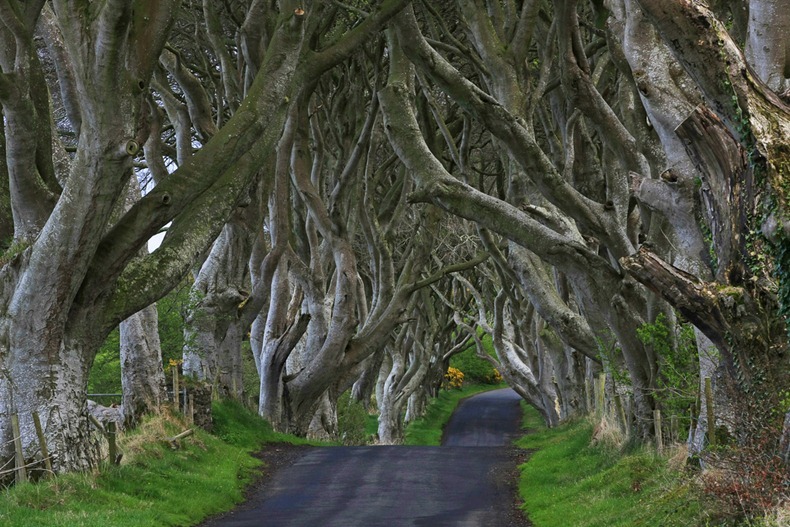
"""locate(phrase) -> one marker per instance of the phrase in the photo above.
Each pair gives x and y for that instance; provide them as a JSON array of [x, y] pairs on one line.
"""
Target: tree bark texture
[[142, 377]]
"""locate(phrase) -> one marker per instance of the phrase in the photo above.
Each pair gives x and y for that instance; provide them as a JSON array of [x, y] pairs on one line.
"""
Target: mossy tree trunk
[[739, 144]]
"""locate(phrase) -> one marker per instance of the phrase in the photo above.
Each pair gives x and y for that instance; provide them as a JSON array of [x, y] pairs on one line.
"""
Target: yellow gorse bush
[[454, 378], [495, 377]]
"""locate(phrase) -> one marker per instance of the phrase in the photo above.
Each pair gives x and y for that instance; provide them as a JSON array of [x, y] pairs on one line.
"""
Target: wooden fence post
[[657, 427], [215, 388], [618, 404], [588, 395], [97, 424], [19, 457], [42, 442], [596, 408], [173, 441], [711, 414], [113, 446], [674, 429], [600, 395], [175, 386], [191, 414]]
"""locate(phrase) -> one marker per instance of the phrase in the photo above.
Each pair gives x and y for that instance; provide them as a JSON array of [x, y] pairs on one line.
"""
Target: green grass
[[158, 486], [428, 429], [238, 426], [569, 481], [371, 424]]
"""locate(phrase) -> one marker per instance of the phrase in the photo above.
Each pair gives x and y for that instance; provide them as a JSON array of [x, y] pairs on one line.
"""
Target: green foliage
[[156, 486], [105, 374], [238, 426], [352, 419], [784, 403], [569, 481], [428, 429], [171, 313], [610, 354], [13, 249], [782, 274], [475, 369], [249, 373], [371, 424], [678, 381]]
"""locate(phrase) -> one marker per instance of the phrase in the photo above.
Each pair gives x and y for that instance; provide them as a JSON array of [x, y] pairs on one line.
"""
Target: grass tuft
[[607, 433]]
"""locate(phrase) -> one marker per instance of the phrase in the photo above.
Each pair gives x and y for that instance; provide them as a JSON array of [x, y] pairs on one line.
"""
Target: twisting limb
[[698, 301], [509, 129]]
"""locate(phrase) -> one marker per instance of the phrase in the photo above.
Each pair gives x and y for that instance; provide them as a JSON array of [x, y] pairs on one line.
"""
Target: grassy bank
[[155, 485], [569, 480], [428, 429]]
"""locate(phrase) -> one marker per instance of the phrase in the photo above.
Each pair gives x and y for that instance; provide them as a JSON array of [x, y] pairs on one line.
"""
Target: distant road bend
[[467, 482]]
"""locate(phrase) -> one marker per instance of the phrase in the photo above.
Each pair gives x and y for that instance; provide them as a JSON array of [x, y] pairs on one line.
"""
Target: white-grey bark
[[142, 376], [768, 42], [213, 332], [669, 96], [410, 359]]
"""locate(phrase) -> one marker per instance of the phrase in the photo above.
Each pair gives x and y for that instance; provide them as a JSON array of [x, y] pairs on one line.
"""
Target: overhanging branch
[[455, 268], [700, 302]]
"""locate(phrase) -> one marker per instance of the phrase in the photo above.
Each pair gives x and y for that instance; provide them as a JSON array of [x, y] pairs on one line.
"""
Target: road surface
[[466, 482], [488, 419]]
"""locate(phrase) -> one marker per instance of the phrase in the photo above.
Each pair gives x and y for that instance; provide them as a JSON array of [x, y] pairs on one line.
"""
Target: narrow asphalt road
[[466, 482], [488, 419]]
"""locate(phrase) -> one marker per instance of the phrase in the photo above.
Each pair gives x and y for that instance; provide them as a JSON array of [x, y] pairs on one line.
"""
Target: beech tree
[[595, 279]]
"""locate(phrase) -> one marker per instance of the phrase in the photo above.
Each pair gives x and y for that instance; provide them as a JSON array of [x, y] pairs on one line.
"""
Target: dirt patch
[[516, 457], [276, 456]]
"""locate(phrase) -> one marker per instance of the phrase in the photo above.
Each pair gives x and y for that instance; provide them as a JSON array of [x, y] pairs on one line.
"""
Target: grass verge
[[155, 485], [568, 480], [428, 429]]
